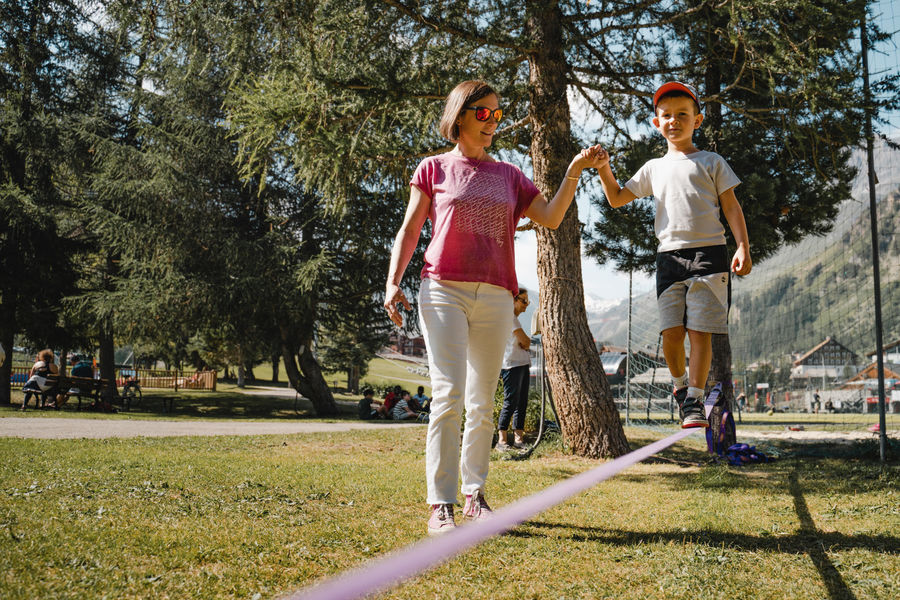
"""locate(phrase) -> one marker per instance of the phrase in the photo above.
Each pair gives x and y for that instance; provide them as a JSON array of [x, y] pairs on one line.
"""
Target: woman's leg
[[490, 322], [443, 309]]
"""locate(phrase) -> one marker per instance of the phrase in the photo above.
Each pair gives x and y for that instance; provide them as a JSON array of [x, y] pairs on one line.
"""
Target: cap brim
[[674, 86]]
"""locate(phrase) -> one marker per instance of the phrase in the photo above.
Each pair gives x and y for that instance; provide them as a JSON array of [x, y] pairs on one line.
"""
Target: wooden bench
[[68, 386]]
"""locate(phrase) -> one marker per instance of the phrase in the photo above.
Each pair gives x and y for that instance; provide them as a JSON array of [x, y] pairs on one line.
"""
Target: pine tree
[[47, 59]]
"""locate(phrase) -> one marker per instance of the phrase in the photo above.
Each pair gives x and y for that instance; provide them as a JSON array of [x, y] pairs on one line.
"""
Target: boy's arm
[[741, 264], [615, 195]]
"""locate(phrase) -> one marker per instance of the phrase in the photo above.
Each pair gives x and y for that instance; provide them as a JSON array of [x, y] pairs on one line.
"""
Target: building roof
[[871, 372], [886, 347], [825, 342]]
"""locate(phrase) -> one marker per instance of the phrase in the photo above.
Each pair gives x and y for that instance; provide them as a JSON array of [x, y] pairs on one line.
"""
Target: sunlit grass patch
[[232, 517]]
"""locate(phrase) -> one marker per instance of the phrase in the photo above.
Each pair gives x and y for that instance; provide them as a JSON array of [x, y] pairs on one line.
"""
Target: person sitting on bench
[[38, 384]]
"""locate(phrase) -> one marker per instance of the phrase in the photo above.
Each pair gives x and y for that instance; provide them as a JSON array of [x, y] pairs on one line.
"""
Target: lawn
[[257, 517], [382, 372]]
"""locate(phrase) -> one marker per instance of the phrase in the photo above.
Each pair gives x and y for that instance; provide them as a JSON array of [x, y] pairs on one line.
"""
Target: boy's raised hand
[[594, 157]]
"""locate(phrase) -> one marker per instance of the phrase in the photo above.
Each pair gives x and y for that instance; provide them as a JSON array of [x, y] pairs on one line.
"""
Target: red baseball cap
[[675, 86]]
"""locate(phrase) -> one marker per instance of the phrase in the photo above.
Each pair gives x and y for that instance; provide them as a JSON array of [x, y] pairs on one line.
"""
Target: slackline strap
[[381, 573]]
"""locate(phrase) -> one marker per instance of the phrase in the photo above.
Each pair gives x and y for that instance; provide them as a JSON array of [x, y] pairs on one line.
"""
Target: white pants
[[465, 326]]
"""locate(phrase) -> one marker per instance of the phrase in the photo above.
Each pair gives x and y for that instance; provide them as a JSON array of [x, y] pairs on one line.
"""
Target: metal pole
[[628, 358], [873, 217]]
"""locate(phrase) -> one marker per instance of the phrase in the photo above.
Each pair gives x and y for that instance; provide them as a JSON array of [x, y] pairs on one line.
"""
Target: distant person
[[369, 407], [829, 406], [817, 402], [474, 203], [82, 368], [422, 401], [515, 373], [390, 399], [691, 188], [401, 410], [38, 385]]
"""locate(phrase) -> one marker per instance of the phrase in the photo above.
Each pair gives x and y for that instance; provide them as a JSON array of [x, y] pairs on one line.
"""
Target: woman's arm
[[550, 214], [404, 246]]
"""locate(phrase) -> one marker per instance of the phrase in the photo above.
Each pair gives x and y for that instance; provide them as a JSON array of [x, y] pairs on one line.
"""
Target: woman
[[468, 283], [44, 367]]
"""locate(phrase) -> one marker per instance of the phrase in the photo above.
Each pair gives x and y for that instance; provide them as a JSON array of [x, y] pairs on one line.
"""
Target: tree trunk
[[720, 369], [275, 358], [305, 375], [587, 414], [7, 335], [107, 358]]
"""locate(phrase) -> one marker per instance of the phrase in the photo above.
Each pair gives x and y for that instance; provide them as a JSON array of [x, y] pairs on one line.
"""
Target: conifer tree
[[47, 58]]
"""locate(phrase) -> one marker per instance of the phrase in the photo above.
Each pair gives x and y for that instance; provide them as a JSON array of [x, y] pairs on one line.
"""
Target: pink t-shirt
[[474, 211]]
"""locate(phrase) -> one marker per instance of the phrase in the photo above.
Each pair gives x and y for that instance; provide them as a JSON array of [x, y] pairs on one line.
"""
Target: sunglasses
[[483, 113]]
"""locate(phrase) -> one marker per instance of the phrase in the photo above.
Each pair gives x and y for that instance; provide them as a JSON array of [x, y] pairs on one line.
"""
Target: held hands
[[741, 264], [393, 295], [593, 157]]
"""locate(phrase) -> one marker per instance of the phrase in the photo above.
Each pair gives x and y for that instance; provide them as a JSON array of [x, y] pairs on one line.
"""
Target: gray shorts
[[692, 289]]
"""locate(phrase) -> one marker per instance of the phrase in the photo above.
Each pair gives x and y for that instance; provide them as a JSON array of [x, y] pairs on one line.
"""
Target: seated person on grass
[[421, 401], [401, 410], [369, 407]]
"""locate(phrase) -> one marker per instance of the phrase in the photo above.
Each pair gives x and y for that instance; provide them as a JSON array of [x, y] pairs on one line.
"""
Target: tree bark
[[275, 358], [588, 417], [7, 336], [720, 369], [107, 358], [305, 375]]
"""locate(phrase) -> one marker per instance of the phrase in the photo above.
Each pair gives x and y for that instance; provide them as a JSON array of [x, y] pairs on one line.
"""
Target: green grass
[[232, 517], [381, 373], [224, 403]]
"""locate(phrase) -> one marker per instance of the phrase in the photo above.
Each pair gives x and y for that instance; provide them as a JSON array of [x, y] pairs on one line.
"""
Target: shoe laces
[[477, 500], [444, 512]]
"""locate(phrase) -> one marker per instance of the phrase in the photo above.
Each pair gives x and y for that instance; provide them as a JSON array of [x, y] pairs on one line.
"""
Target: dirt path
[[57, 428]]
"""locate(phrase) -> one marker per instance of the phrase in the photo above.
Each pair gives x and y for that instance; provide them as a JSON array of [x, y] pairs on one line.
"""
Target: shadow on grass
[[808, 539], [232, 405]]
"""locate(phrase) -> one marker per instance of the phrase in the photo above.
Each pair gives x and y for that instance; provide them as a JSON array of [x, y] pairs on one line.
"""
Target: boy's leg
[[701, 357], [673, 351]]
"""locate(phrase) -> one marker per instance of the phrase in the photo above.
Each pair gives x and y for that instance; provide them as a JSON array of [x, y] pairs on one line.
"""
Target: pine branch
[[445, 27]]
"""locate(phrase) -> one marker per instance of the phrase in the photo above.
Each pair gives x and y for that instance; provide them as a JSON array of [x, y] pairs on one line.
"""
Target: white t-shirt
[[515, 355], [687, 189]]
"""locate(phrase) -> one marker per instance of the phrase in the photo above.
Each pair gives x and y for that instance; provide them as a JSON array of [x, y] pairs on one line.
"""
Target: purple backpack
[[721, 434]]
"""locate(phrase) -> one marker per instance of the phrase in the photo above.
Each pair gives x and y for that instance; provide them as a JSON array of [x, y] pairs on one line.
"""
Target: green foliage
[[783, 106]]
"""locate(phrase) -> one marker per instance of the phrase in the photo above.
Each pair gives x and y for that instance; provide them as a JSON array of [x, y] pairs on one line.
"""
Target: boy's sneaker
[[441, 520], [476, 507], [690, 410], [500, 447]]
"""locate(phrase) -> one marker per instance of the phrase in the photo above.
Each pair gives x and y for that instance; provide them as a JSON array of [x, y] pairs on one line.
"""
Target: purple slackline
[[376, 575]]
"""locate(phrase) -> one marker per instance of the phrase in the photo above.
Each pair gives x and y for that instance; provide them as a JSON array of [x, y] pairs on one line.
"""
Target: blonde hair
[[462, 95]]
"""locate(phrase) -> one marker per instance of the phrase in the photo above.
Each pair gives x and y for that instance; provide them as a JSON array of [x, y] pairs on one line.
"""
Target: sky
[[604, 284]]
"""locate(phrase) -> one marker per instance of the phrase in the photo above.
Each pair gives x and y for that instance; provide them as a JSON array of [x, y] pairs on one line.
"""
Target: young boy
[[692, 267]]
